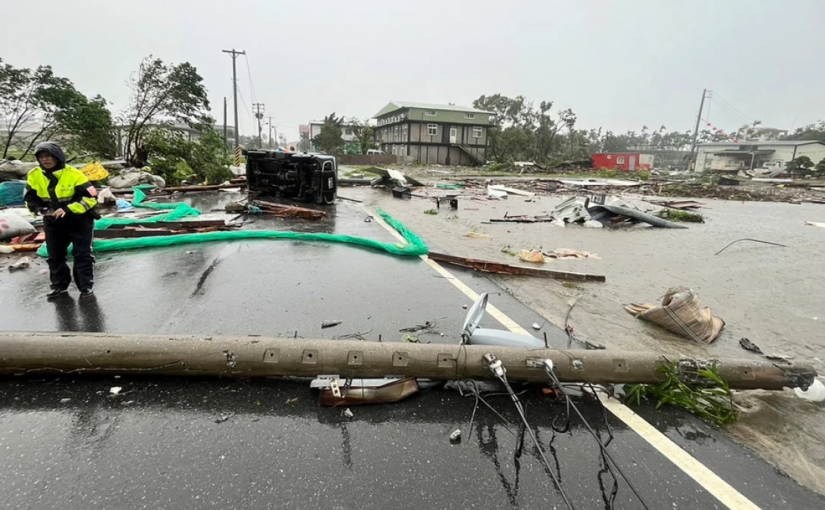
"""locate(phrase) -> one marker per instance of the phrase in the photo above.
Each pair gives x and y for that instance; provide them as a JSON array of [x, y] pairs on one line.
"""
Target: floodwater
[[769, 294]]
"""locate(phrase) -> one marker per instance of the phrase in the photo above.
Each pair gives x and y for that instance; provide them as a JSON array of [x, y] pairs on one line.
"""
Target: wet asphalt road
[[187, 443]]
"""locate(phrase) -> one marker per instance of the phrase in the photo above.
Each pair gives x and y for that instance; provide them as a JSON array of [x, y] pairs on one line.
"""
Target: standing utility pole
[[696, 129], [225, 141], [258, 110], [235, 91], [270, 131]]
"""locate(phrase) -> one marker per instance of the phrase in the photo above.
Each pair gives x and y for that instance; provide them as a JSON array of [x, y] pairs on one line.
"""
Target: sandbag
[[132, 177], [13, 225], [681, 313]]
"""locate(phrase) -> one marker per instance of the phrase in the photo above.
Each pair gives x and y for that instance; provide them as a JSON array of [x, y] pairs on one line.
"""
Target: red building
[[627, 161]]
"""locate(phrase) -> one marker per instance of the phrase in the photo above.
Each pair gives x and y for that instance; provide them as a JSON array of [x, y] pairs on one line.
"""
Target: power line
[[251, 83]]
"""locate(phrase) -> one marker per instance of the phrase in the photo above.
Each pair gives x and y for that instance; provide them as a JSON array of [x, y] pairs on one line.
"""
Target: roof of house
[[780, 143], [397, 105]]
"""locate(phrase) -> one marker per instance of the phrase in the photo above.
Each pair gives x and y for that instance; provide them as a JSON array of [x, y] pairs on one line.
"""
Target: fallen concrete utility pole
[[487, 266], [96, 353]]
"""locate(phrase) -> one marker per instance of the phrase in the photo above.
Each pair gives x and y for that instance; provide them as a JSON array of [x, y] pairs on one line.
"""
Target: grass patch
[[708, 396], [673, 215], [571, 285], [431, 212]]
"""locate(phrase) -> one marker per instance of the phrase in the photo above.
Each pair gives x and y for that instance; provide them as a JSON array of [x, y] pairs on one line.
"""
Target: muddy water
[[773, 296]]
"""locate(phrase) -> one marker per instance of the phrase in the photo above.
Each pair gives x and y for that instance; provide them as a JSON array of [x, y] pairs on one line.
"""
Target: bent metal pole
[[232, 356]]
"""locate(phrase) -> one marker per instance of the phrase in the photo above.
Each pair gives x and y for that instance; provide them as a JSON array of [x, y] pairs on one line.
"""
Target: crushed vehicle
[[298, 176]]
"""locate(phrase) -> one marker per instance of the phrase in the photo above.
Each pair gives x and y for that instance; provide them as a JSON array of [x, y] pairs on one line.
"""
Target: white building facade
[[732, 157]]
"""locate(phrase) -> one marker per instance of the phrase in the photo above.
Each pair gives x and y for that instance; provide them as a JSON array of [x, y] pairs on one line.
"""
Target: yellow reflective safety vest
[[67, 188]]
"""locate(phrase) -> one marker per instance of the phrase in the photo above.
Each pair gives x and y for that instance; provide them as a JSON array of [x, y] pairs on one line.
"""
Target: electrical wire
[[500, 374], [251, 83], [722, 100], [552, 376]]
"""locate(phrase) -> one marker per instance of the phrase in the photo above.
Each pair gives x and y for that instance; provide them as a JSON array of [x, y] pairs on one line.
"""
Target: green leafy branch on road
[[709, 398]]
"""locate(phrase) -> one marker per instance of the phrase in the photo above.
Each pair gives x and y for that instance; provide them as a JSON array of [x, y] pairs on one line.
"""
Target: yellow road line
[[701, 474]]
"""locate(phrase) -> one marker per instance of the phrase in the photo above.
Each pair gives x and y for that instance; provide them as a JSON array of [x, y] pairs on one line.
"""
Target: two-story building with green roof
[[433, 133]]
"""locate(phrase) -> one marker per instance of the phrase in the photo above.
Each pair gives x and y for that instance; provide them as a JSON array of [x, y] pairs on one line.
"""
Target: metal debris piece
[[455, 437], [115, 390], [330, 324], [566, 253], [347, 413], [750, 346], [224, 417]]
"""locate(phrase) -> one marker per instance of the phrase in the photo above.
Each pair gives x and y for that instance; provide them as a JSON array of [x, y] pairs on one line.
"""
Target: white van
[[371, 152]]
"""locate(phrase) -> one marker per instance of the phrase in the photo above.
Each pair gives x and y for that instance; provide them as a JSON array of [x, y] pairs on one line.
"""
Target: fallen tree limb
[[24, 353]]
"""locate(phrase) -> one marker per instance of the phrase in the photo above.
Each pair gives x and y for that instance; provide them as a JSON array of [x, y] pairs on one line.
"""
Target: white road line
[[701, 474]]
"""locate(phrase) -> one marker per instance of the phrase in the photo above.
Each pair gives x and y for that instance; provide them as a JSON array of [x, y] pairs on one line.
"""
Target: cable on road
[[499, 372], [548, 369]]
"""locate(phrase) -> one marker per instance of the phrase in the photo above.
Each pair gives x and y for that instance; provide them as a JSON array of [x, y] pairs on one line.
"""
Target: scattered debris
[[65, 400], [533, 256], [289, 211], [449, 186], [224, 417], [494, 193], [572, 210], [815, 224], [431, 212], [681, 313], [455, 437], [752, 240], [420, 327], [476, 235], [616, 214], [677, 204], [413, 339], [750, 346], [330, 324], [347, 413], [487, 266], [566, 253], [512, 191], [536, 326], [350, 199], [115, 390], [23, 263]]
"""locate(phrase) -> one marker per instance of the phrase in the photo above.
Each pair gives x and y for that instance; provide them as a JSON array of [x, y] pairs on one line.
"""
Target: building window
[[469, 115], [430, 113], [620, 161], [404, 133], [348, 130], [432, 129], [476, 132], [401, 150]]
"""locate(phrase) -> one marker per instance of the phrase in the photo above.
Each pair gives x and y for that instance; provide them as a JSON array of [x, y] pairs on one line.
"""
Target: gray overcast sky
[[617, 64]]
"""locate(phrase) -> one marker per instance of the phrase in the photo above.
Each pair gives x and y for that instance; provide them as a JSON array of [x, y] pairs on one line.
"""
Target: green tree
[[161, 96], [814, 131], [364, 135], [175, 157], [37, 105], [799, 164], [304, 145], [330, 140], [820, 167]]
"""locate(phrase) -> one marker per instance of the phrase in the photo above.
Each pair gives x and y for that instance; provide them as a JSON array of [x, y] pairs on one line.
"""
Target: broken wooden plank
[[285, 211], [487, 266]]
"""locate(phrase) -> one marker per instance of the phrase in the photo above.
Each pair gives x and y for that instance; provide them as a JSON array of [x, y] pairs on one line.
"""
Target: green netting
[[177, 211], [414, 246]]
